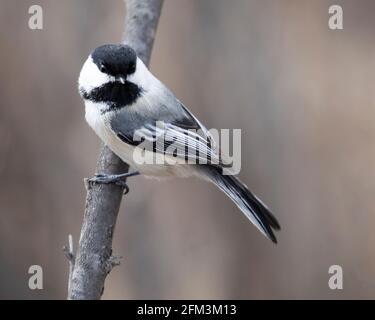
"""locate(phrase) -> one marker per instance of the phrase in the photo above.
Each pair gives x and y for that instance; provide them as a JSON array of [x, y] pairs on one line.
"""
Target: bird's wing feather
[[169, 139]]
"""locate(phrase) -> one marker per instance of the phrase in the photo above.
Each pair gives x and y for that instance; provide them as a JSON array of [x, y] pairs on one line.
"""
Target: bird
[[131, 110]]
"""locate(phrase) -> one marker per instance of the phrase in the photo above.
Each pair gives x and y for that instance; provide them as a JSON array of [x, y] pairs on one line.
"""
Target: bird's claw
[[110, 179]]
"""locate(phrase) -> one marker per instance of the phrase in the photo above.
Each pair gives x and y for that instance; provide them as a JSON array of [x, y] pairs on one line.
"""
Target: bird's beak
[[121, 79]]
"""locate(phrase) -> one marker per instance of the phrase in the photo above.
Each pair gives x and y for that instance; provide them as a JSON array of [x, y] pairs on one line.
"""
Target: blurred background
[[304, 98]]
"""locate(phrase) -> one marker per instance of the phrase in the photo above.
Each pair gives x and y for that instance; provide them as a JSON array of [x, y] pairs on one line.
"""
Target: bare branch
[[69, 253], [94, 258]]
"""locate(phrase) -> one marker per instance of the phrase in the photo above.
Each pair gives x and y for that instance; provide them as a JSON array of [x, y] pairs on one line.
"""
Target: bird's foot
[[117, 179]]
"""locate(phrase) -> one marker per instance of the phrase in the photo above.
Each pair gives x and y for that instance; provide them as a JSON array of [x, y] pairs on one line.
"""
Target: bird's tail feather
[[254, 209]]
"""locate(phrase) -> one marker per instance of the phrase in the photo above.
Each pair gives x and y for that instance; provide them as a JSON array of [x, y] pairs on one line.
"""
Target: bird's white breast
[[93, 118], [100, 124]]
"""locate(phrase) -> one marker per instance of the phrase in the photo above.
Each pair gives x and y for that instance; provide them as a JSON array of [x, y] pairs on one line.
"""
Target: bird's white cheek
[[91, 77]]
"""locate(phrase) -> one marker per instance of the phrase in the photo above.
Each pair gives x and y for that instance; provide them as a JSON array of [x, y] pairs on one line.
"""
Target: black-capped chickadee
[[124, 100]]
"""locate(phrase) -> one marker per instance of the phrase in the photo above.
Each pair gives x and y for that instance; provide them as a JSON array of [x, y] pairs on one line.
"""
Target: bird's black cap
[[115, 59]]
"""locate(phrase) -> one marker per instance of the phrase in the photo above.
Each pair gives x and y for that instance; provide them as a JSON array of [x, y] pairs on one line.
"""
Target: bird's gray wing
[[180, 136]]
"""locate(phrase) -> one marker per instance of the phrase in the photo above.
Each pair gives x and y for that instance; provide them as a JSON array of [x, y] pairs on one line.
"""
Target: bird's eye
[[103, 68], [132, 68]]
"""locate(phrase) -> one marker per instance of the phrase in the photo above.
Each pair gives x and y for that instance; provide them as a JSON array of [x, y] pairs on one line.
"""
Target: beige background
[[303, 96]]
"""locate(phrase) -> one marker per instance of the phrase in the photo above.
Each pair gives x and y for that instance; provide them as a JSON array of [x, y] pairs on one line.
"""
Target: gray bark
[[94, 258]]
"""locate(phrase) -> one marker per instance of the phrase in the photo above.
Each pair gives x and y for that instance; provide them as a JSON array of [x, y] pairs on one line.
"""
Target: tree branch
[[94, 258], [69, 253]]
